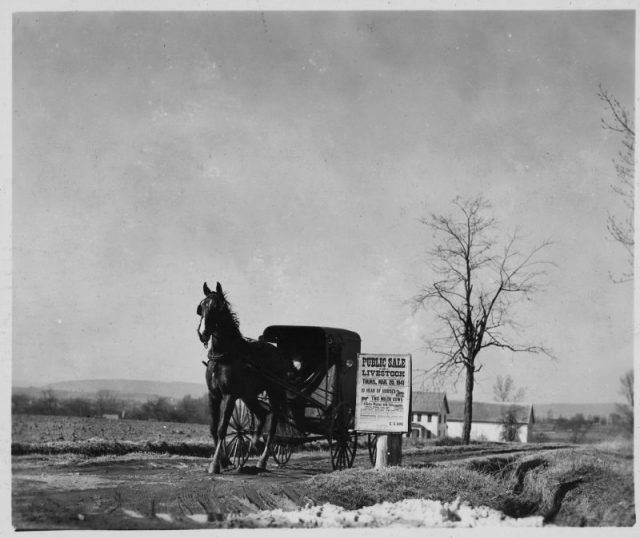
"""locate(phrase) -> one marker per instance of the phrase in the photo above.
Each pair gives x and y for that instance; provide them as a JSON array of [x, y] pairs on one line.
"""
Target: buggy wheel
[[237, 442], [343, 450], [287, 437], [343, 440], [372, 445], [281, 452]]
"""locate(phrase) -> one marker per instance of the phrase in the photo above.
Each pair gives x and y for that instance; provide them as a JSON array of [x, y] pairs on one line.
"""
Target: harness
[[215, 358], [219, 357]]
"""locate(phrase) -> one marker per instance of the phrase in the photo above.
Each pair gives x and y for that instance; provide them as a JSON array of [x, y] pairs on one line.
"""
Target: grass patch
[[457, 441], [581, 487], [622, 446], [354, 489], [602, 492], [494, 466], [99, 447]]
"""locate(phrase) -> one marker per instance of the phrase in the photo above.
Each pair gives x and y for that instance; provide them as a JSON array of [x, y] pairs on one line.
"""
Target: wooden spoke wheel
[[343, 440], [287, 437], [237, 443], [372, 446], [281, 452]]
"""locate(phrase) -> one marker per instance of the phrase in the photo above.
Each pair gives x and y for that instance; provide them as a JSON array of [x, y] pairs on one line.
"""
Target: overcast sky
[[290, 156]]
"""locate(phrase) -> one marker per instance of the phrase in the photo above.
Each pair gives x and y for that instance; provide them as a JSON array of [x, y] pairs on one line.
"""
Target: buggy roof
[[273, 332]]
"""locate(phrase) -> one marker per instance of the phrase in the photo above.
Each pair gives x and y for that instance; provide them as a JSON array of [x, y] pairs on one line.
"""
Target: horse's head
[[211, 309]]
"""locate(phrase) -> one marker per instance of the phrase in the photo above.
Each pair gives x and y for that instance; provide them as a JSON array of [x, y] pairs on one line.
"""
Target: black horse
[[234, 371]]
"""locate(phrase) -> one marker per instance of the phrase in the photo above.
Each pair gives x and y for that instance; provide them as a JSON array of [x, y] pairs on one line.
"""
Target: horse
[[234, 371]]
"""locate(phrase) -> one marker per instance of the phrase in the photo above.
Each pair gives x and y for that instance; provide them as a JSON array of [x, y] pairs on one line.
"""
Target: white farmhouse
[[487, 422], [429, 414]]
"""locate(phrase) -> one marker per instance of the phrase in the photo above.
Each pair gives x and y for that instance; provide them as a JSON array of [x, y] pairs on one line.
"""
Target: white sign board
[[383, 393]]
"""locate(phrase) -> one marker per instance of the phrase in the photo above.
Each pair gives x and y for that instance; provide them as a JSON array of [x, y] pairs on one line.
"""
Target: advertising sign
[[383, 393]]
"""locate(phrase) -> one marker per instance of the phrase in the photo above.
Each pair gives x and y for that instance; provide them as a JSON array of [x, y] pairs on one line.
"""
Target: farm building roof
[[423, 402], [490, 411]]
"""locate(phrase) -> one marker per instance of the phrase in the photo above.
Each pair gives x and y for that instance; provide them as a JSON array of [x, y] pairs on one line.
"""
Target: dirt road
[[144, 491], [62, 492]]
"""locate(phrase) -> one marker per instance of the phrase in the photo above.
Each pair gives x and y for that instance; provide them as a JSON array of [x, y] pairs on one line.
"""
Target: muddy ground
[[148, 491]]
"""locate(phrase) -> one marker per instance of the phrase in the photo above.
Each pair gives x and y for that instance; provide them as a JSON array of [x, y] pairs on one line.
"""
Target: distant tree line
[[625, 410], [187, 409], [577, 427], [619, 422]]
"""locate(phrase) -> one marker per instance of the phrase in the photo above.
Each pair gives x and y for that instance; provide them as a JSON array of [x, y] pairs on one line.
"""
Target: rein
[[219, 357], [216, 357]]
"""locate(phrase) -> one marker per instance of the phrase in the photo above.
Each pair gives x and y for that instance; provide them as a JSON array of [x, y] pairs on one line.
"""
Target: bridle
[[215, 358], [213, 325]]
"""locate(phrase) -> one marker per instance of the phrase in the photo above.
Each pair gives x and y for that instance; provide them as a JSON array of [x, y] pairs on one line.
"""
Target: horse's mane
[[232, 315]]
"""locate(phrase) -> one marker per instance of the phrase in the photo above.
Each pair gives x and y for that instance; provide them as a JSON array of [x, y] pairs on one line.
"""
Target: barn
[[488, 420], [429, 414]]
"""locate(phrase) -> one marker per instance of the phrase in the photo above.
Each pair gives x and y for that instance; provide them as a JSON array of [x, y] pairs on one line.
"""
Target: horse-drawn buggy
[[300, 381], [320, 394]]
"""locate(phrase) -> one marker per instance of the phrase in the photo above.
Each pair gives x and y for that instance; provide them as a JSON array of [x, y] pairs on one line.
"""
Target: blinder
[[199, 310]]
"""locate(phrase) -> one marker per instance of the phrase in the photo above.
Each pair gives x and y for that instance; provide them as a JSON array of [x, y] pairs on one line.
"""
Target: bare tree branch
[[621, 229]]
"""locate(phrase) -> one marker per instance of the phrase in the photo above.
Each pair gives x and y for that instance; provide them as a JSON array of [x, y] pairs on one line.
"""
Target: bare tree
[[577, 426], [626, 387], [50, 402], [622, 229], [509, 431], [504, 390], [480, 277], [626, 410], [107, 402]]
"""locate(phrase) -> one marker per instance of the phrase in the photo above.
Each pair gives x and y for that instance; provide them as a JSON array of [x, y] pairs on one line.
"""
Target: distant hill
[[568, 410], [143, 390], [125, 388]]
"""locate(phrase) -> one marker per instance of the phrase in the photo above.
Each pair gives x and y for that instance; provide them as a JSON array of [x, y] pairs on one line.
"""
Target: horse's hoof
[[213, 469]]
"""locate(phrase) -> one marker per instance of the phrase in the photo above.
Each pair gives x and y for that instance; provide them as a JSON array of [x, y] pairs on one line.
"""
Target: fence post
[[389, 450]]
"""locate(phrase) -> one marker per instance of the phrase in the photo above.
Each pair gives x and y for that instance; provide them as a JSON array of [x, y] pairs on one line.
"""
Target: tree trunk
[[468, 406]]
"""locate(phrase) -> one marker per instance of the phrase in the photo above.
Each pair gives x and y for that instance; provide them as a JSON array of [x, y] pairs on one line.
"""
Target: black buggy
[[321, 395]]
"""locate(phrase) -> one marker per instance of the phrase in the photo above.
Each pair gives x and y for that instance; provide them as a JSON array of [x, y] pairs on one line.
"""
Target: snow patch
[[405, 513], [199, 518], [132, 513]]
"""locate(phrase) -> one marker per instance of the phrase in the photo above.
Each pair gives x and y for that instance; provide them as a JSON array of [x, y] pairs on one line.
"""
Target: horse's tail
[[282, 407]]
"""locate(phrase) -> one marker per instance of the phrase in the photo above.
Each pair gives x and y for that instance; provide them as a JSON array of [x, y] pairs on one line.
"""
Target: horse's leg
[[276, 405], [214, 412], [227, 406], [261, 416]]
